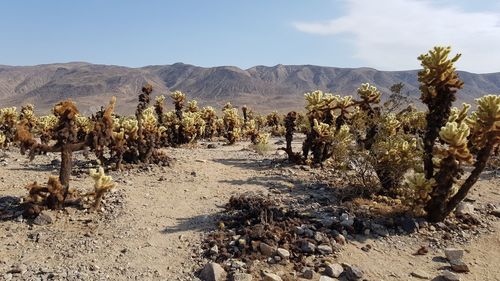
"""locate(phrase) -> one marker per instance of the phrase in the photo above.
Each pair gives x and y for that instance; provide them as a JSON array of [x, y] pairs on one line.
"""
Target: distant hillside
[[280, 87]]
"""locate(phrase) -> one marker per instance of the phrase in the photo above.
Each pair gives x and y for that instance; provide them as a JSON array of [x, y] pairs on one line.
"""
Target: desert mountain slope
[[261, 87]]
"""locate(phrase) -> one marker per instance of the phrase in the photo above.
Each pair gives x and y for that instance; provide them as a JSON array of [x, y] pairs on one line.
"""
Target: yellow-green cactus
[[485, 122], [369, 93], [102, 184], [459, 115], [192, 106], [438, 72], [2, 140], [178, 97], [84, 124], [417, 191]]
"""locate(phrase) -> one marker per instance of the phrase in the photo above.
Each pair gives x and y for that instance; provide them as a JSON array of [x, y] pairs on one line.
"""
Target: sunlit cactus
[[416, 192], [485, 122], [3, 140], [210, 117], [192, 106], [369, 93], [102, 184], [232, 125]]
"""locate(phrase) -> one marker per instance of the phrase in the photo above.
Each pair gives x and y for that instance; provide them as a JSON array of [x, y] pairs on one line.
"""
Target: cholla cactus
[[416, 192], [2, 140], [369, 93], [485, 122], [232, 125], [160, 108], [192, 106], [102, 184], [8, 120], [455, 135], [179, 99], [210, 117]]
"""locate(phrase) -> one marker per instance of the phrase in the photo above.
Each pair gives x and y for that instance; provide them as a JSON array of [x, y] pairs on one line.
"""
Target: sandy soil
[[153, 223]]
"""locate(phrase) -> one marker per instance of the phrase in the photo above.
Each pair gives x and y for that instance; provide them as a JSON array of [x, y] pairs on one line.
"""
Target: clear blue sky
[[243, 33]]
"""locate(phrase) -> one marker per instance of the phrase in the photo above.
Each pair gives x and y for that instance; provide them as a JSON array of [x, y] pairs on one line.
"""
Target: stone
[[307, 247], [409, 225], [453, 254], [353, 273], [380, 230], [271, 277], [214, 250], [459, 266], [283, 253], [299, 230], [449, 276], [464, 208], [320, 237], [213, 272], [420, 275], [239, 276], [496, 212], [43, 219], [325, 249], [266, 250], [325, 278], [211, 146], [333, 270], [340, 239], [308, 274]]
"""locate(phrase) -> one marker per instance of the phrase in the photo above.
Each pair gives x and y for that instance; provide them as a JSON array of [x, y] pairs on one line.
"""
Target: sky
[[382, 34]]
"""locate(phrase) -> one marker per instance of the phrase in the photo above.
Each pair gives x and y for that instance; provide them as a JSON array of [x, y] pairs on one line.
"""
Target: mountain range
[[263, 88]]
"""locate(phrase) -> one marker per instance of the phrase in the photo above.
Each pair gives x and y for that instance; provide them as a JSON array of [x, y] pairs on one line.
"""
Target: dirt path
[[156, 218]]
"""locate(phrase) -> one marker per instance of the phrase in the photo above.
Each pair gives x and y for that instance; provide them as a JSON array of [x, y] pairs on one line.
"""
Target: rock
[[420, 274], [320, 237], [325, 249], [325, 278], [333, 270], [266, 250], [299, 230], [213, 272], [211, 145], [271, 277], [453, 254], [380, 230], [239, 276], [214, 250], [464, 208], [308, 274], [496, 212], [340, 239], [459, 266], [353, 273], [409, 225], [283, 253], [7, 276], [449, 276], [43, 219], [422, 250], [307, 247]]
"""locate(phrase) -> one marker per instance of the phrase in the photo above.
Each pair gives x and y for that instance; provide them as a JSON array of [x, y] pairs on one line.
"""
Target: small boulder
[[325, 278], [353, 273], [459, 266], [420, 275], [43, 219], [333, 270], [453, 254], [213, 272]]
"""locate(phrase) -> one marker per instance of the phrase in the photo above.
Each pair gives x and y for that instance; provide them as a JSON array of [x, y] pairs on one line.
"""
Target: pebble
[[420, 274], [308, 273], [307, 247], [271, 277], [43, 219], [325, 249], [325, 278], [266, 250], [239, 276], [464, 208], [283, 253]]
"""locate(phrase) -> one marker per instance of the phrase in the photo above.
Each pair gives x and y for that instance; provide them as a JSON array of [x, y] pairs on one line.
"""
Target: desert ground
[[153, 225]]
